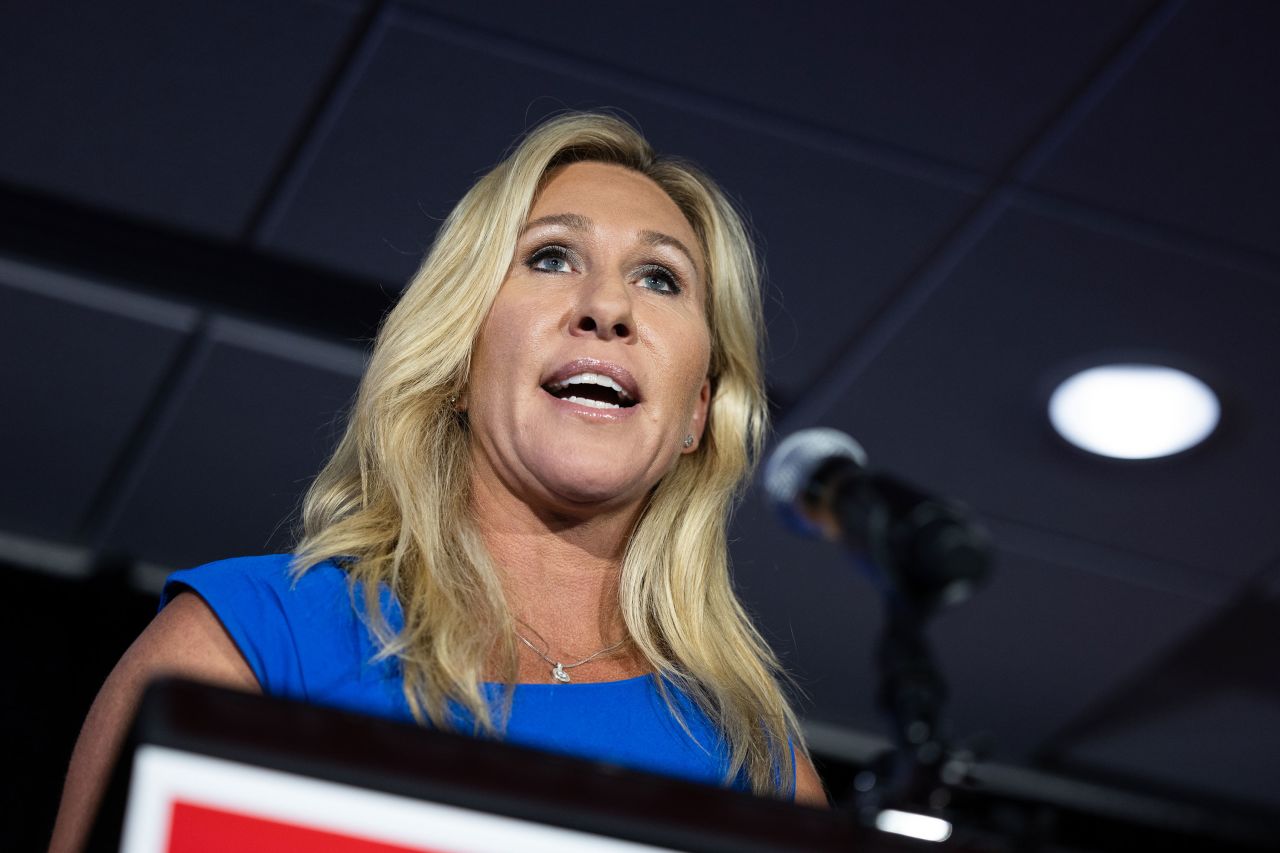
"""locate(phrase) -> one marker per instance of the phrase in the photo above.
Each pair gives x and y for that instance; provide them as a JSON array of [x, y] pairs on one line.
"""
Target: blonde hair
[[392, 504]]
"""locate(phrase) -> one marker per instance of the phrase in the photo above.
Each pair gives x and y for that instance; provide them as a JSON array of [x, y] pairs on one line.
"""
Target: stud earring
[[688, 441]]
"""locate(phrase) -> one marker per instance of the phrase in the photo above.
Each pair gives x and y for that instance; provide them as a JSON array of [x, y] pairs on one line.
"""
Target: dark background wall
[[206, 207]]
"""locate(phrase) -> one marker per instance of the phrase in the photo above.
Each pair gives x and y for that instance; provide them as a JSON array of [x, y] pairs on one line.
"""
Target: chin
[[586, 492], [593, 475], [578, 496]]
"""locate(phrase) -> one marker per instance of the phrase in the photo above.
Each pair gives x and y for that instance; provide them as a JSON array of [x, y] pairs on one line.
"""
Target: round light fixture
[[1134, 411]]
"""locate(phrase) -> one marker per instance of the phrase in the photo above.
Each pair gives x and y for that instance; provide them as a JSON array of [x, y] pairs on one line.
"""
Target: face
[[591, 367]]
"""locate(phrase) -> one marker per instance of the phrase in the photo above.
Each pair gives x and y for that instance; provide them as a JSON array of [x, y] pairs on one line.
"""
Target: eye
[[552, 259], [659, 278]]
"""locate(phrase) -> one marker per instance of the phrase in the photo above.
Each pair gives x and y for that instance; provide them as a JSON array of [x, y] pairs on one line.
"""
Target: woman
[[533, 489]]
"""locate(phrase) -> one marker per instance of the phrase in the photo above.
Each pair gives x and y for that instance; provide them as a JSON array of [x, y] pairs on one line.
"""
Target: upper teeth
[[591, 379]]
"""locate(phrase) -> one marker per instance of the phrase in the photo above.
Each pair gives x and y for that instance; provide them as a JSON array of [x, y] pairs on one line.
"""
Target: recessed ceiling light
[[1134, 411]]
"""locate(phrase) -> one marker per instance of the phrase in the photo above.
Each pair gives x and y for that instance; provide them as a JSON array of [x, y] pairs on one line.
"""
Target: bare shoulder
[[809, 790], [185, 639]]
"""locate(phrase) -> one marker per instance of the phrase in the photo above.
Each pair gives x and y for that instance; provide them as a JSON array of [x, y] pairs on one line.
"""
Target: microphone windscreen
[[794, 463]]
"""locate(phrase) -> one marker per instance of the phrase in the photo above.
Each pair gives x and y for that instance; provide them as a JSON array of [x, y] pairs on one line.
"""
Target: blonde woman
[[523, 531]]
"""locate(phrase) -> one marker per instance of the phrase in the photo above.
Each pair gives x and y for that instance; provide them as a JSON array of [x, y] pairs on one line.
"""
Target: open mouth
[[593, 390]]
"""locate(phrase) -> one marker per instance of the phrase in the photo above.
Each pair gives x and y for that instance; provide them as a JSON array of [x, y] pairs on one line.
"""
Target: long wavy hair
[[392, 504]]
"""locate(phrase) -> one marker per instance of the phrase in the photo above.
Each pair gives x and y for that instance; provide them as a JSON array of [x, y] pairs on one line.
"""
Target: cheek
[[689, 363], [500, 332], [490, 363], [508, 347]]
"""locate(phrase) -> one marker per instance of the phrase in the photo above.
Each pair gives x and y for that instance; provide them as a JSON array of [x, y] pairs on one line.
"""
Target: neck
[[560, 574]]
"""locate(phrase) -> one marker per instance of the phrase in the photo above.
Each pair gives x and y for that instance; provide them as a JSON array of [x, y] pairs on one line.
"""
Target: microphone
[[924, 551]]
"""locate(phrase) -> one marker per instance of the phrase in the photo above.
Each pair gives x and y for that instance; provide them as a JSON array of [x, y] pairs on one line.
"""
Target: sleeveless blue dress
[[307, 641]]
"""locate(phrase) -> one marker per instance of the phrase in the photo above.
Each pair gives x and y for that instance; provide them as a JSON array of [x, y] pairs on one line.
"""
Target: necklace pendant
[[559, 674]]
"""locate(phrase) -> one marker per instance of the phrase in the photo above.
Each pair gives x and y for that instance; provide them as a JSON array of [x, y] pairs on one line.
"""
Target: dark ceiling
[[205, 207]]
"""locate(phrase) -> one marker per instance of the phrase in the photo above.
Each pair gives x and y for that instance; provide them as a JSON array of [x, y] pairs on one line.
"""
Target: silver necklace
[[558, 668]]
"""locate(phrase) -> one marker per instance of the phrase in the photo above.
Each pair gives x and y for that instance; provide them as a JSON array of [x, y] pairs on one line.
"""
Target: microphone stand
[[912, 693], [925, 554]]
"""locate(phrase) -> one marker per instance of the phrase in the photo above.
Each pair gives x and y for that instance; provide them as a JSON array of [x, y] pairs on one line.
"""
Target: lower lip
[[592, 413]]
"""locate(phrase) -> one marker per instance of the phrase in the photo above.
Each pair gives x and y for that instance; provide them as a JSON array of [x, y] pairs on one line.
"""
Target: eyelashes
[[553, 259], [664, 280], [556, 259]]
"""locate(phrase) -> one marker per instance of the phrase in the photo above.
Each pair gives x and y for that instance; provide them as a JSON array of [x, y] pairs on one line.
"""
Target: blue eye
[[554, 259], [660, 279]]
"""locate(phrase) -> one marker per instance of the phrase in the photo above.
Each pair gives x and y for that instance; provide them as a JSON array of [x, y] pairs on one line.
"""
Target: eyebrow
[[578, 222], [657, 238]]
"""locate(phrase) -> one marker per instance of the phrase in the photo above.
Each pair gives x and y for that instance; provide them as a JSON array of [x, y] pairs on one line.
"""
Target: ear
[[698, 424]]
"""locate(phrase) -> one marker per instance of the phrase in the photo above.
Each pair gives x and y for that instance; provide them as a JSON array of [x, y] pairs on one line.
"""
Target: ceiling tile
[[1043, 642], [837, 235], [79, 364], [1203, 717], [171, 110], [1188, 137], [260, 416], [1222, 744]]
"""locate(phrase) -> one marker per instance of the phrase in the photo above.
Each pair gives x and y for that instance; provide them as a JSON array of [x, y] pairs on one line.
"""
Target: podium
[[211, 769]]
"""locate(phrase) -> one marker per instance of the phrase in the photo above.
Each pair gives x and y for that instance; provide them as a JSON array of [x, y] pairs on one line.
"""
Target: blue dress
[[307, 641]]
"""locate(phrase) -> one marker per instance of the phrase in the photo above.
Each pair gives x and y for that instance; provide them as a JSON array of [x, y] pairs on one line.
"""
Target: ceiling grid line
[[319, 106], [292, 170], [1019, 537], [1182, 673], [153, 420], [151, 262], [1095, 87], [871, 152], [1145, 232]]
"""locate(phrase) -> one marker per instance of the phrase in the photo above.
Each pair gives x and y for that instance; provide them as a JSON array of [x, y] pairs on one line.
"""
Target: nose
[[604, 310]]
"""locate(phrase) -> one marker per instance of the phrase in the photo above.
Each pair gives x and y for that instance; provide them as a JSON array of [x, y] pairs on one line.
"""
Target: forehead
[[615, 198]]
